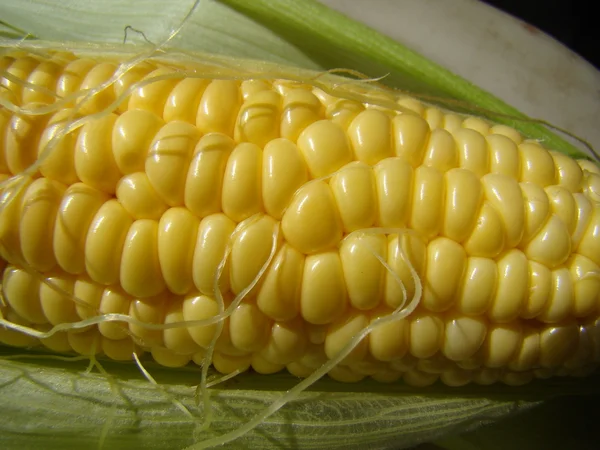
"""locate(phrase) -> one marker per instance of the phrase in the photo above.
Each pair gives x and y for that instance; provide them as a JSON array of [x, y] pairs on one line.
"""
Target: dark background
[[571, 22]]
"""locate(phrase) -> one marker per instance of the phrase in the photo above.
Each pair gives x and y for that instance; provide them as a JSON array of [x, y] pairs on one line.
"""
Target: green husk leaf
[[55, 405]]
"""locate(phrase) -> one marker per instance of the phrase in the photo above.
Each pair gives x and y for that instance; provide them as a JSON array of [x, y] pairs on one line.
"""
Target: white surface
[[499, 53]]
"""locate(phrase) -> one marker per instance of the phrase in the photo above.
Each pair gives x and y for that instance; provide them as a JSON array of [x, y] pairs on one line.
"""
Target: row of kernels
[[112, 242], [461, 339]]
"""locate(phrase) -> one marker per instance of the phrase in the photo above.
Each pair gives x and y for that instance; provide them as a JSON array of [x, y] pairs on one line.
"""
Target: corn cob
[[308, 214]]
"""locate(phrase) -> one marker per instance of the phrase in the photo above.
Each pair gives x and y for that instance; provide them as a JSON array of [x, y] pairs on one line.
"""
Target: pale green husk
[[55, 404], [50, 403]]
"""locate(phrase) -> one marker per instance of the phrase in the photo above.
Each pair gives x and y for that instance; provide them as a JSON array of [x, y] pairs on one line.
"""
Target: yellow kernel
[[94, 160], [214, 234], [21, 291], [21, 68], [279, 294], [102, 98], [586, 285], [38, 216], [478, 286], [219, 107], [342, 112], [312, 222], [370, 136], [473, 153], [568, 172], [242, 194], [463, 335], [258, 119], [463, 199], [205, 175], [139, 198], [324, 296], [21, 141], [412, 104], [411, 134], [363, 271], [504, 194], [404, 251], [434, 117], [584, 210], [325, 148], [551, 246], [537, 210], [10, 221], [77, 210], [251, 247], [118, 350], [152, 95], [283, 172], [476, 124], [394, 183], [132, 137], [88, 295], [200, 307], [446, 261], [353, 188], [140, 266], [563, 205], [249, 328], [148, 311], [184, 99], [537, 165], [345, 374], [528, 353], [114, 301], [262, 366], [440, 151], [342, 331], [178, 339], [56, 299], [504, 156], [427, 201], [168, 358], [86, 343], [127, 80], [560, 302], [589, 245], [389, 341], [287, 342], [452, 123], [508, 132], [588, 166], [540, 287], [56, 149], [300, 109], [501, 344], [169, 158], [58, 342], [105, 241], [426, 334], [513, 287], [177, 232]]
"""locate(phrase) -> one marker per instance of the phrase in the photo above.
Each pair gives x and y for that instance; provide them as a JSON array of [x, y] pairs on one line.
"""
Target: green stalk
[[335, 41]]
